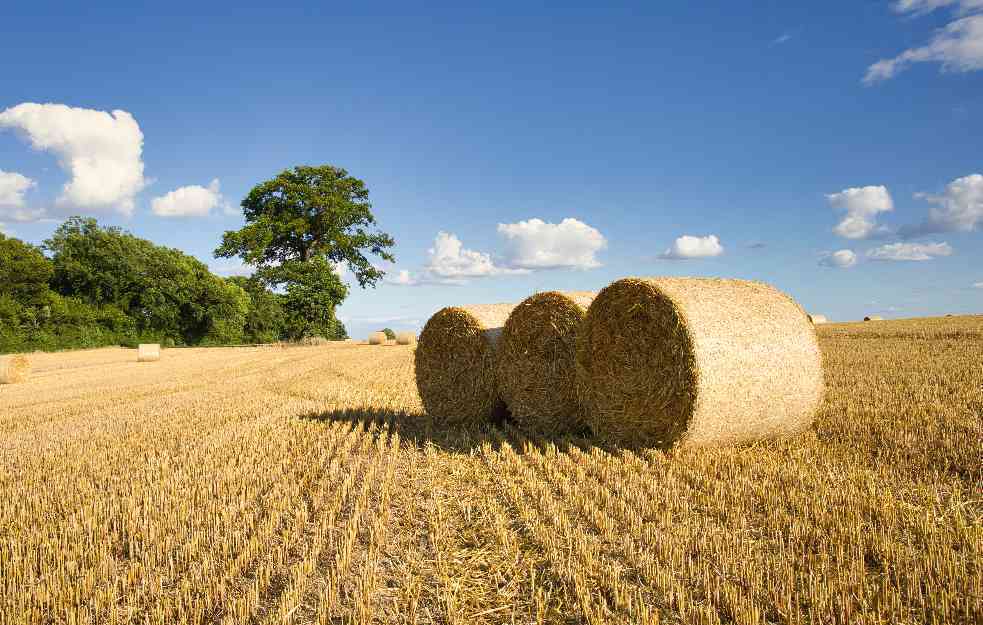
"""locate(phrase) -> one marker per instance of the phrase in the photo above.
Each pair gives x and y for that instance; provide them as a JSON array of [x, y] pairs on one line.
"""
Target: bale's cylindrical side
[[455, 363], [537, 351], [697, 361], [873, 318], [14, 369], [377, 338], [405, 338], [818, 319], [148, 352]]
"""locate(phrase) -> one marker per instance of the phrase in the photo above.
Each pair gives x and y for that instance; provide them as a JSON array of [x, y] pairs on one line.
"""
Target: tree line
[[93, 286]]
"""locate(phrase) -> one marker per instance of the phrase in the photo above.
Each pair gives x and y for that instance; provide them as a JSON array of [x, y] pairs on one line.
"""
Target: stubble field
[[304, 485]]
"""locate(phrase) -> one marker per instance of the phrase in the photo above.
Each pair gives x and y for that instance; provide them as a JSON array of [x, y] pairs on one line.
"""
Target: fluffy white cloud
[[101, 151], [687, 246], [841, 259], [958, 47], [402, 278], [448, 258], [862, 205], [978, 285], [536, 244], [958, 209], [13, 186], [909, 251], [927, 6], [191, 201]]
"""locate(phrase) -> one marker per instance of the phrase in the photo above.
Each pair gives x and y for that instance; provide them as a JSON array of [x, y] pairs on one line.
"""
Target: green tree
[[307, 213], [389, 334], [266, 320], [313, 290], [24, 272]]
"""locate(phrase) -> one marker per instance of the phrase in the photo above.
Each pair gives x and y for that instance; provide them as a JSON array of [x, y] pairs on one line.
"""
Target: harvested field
[[258, 485]]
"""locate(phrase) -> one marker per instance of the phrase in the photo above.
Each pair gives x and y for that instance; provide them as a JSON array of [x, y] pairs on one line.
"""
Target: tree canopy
[[307, 213]]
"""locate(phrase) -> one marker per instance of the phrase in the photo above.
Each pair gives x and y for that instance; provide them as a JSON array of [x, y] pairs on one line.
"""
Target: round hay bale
[[14, 369], [377, 338], [455, 364], [148, 352], [818, 319], [697, 361], [873, 318], [405, 338], [536, 362]]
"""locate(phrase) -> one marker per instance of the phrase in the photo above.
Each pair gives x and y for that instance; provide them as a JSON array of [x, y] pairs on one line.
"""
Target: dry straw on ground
[[536, 372], [697, 361], [377, 338], [14, 369], [873, 318], [818, 319], [455, 363], [148, 352], [405, 338]]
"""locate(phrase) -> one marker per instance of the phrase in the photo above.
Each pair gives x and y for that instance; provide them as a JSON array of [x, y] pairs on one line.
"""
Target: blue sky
[[832, 150]]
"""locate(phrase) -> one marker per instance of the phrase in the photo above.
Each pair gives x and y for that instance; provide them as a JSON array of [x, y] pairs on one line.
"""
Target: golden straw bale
[[697, 361], [455, 363], [148, 352], [377, 338], [818, 319], [536, 362], [873, 318], [14, 369], [405, 338]]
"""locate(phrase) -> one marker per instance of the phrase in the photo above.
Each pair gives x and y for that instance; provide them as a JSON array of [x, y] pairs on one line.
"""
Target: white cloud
[[191, 201], [862, 205], [958, 209], [958, 47], [841, 259], [101, 151], [909, 251], [687, 246], [451, 260], [229, 267], [536, 244], [978, 285], [13, 186], [402, 278], [920, 7]]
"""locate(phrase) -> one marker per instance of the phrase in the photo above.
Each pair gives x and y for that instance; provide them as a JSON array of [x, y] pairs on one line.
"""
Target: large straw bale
[[536, 362], [148, 352], [405, 338], [818, 319], [14, 369], [873, 318], [697, 361], [377, 338], [455, 364]]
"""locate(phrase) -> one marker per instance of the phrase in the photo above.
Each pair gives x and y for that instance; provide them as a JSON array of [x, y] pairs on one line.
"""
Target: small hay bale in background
[[818, 319], [148, 352], [405, 338], [455, 364], [536, 361], [697, 361], [873, 318], [14, 369], [377, 338]]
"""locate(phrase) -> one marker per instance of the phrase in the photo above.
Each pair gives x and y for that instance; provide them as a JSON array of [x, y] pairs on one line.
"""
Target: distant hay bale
[[405, 338], [377, 338], [14, 369], [873, 318], [536, 362], [455, 364], [818, 319], [697, 361], [148, 352]]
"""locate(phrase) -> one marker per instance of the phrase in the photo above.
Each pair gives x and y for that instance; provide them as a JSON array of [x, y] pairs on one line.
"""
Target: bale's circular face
[[454, 369], [536, 373], [636, 367]]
